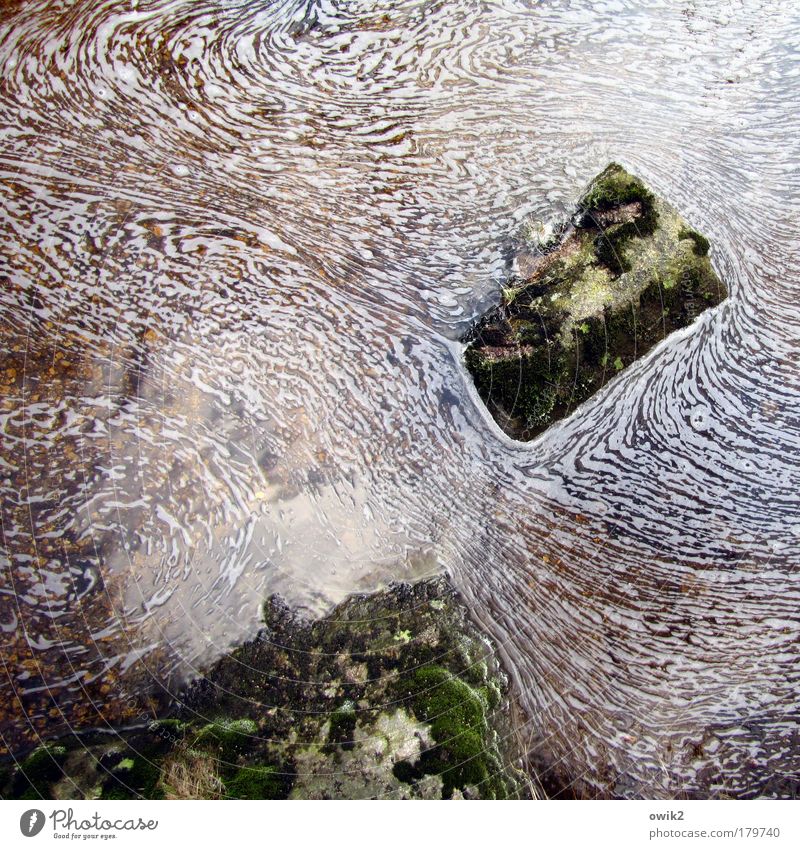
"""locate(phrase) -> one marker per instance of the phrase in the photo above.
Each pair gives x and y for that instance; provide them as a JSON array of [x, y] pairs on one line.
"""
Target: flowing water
[[241, 240]]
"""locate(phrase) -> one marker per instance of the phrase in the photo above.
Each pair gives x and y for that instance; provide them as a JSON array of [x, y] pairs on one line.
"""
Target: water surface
[[241, 241]]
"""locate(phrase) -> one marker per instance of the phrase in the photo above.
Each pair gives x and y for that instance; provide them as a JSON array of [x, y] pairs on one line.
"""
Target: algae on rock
[[394, 695], [621, 276]]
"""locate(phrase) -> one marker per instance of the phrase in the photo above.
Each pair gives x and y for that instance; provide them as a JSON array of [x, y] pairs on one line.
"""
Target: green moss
[[523, 386], [491, 695], [167, 727], [475, 673], [255, 782], [38, 772], [133, 778], [610, 248], [445, 700], [687, 288], [343, 726], [701, 244], [611, 189], [615, 187], [457, 715], [612, 242], [228, 737]]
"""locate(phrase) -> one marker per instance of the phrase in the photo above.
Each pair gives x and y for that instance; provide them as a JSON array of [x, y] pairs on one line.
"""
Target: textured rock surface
[[620, 277], [394, 695]]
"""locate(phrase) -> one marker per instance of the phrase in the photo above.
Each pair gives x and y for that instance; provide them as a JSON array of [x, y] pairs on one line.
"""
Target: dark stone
[[621, 276]]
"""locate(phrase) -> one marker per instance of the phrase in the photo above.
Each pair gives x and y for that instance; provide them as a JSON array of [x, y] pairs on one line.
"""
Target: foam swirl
[[239, 239]]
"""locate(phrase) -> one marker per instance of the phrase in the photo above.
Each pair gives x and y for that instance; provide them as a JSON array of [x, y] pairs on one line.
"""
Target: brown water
[[240, 242]]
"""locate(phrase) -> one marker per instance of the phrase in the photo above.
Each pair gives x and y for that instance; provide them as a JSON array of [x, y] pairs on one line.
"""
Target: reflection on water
[[240, 239]]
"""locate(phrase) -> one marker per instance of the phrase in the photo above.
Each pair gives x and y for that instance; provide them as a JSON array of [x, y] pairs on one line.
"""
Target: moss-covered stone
[[259, 782], [133, 778], [393, 695], [226, 736], [38, 771], [457, 714], [622, 276], [343, 725], [701, 244]]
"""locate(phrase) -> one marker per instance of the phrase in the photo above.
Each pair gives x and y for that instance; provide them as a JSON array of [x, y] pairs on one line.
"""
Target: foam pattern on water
[[240, 240]]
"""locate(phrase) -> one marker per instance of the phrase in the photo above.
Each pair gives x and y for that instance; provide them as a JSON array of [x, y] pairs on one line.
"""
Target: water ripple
[[240, 241]]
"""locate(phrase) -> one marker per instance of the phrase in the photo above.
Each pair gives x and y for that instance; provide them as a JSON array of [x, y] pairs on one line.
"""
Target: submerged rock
[[579, 308], [394, 695]]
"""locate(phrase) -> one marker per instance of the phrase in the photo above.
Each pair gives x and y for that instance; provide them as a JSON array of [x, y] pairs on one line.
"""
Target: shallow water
[[240, 243]]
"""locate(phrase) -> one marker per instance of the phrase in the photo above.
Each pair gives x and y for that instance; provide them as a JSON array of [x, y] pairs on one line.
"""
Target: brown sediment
[[55, 586]]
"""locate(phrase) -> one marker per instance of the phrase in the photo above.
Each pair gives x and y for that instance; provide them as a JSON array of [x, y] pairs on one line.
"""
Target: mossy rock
[[393, 695], [37, 773], [256, 782], [456, 712], [701, 245], [343, 725], [623, 275], [227, 736], [133, 778]]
